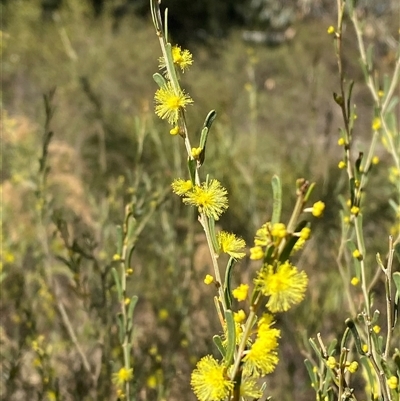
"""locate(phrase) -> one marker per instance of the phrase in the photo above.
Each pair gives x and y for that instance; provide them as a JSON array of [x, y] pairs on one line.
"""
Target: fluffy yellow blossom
[[262, 356], [210, 198], [122, 376], [169, 103], [232, 245], [180, 187], [240, 293], [284, 287], [210, 381], [263, 235], [182, 58]]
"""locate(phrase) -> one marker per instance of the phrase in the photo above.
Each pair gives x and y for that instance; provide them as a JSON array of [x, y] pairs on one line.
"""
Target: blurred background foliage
[[268, 68]]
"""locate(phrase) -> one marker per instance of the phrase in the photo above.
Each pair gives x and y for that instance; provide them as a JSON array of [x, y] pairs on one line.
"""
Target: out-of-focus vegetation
[[101, 148]]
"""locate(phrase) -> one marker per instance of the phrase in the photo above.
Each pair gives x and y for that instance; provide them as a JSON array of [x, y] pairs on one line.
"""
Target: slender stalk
[[389, 306]]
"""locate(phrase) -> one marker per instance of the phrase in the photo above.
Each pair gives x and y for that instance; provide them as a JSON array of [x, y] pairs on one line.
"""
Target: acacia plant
[[249, 339]]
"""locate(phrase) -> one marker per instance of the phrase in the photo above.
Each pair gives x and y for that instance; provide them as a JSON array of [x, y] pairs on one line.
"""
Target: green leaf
[[369, 54], [277, 199], [316, 348], [227, 282], [192, 170], [131, 309], [352, 184], [349, 93], [204, 134], [170, 65], [211, 225], [287, 250], [268, 254], [332, 347], [311, 373], [309, 191], [392, 104], [117, 282], [397, 253], [367, 366], [231, 337], [120, 239], [121, 331], [359, 223], [159, 79], [357, 265], [350, 324], [218, 342]]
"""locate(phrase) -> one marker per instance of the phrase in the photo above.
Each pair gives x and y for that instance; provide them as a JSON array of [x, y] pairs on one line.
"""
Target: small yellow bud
[[331, 362], [364, 347], [151, 382], [196, 152], [305, 233], [129, 271], [240, 316], [357, 254], [174, 131], [127, 301], [376, 123], [353, 367], [208, 279], [375, 160], [153, 350], [116, 257], [393, 382], [342, 164], [318, 209], [331, 30], [256, 253], [341, 141], [346, 219], [381, 93], [278, 230], [355, 210], [354, 281], [376, 329], [163, 314]]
